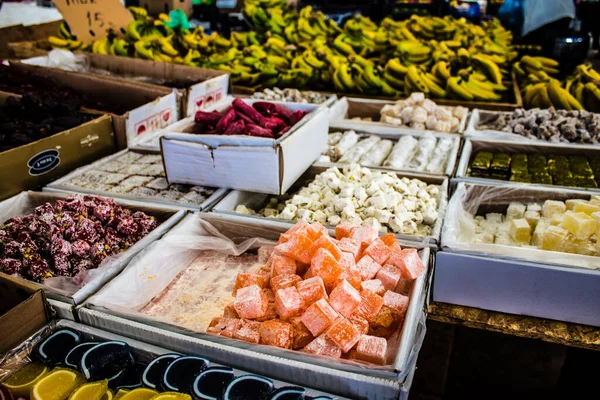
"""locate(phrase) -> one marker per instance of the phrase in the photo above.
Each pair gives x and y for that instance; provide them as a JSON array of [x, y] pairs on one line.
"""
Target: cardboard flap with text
[[152, 117], [208, 94]]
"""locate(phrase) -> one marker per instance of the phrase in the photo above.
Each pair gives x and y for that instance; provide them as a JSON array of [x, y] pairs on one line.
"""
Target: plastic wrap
[[61, 59], [153, 270], [479, 199]]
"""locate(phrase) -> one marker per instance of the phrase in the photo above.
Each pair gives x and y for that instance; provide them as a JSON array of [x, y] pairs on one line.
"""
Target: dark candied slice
[[479, 174], [541, 178], [537, 162], [154, 371], [518, 163], [73, 358], [129, 378], [523, 178], [585, 182], [105, 360], [482, 161], [248, 387], [551, 165], [180, 375], [289, 393], [212, 383], [500, 176], [500, 164], [564, 181], [563, 173], [55, 348]]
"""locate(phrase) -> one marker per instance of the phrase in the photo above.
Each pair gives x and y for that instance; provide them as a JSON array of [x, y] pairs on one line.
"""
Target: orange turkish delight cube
[[382, 331], [344, 298], [343, 231], [344, 334], [351, 246], [350, 272], [391, 242], [378, 251], [397, 302], [389, 276], [371, 349], [264, 253], [288, 303], [277, 333], [364, 234], [244, 279], [374, 285], [318, 317], [284, 281], [284, 237], [370, 305], [325, 242], [248, 331], [229, 311], [296, 247], [320, 229], [368, 268], [270, 295], [360, 323], [327, 267], [223, 326], [283, 265], [324, 346], [301, 269], [270, 314], [311, 290], [404, 286], [304, 228], [302, 335], [384, 318], [250, 302], [409, 262]]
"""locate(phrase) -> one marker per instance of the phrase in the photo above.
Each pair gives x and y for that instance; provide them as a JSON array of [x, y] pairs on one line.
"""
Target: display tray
[[112, 309], [70, 291], [143, 352], [330, 100], [347, 108], [472, 146], [61, 186], [256, 201], [450, 163]]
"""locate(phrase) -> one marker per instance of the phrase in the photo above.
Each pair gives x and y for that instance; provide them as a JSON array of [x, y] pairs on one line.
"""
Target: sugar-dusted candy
[[571, 203], [368, 268], [404, 286], [288, 303], [370, 305], [364, 234], [229, 311], [343, 231], [264, 253], [391, 241], [552, 208], [270, 295], [284, 281], [327, 267], [324, 346], [579, 224], [586, 207], [520, 230], [250, 302], [312, 290], [371, 349], [318, 317], [325, 242], [374, 285], [224, 326], [302, 335], [296, 247], [248, 279], [532, 217], [389, 276], [271, 313], [378, 251], [350, 271], [409, 262], [360, 323], [515, 210], [282, 265], [351, 246], [552, 238], [248, 331], [397, 302], [385, 318], [304, 228], [277, 333], [344, 298], [344, 334]]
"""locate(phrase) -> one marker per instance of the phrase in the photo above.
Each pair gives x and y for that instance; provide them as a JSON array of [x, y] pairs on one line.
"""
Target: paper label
[[152, 117], [89, 20], [208, 94], [43, 162]]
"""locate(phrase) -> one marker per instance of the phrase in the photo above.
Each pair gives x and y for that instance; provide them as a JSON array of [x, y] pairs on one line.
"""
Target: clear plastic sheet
[[480, 199], [61, 59], [153, 270]]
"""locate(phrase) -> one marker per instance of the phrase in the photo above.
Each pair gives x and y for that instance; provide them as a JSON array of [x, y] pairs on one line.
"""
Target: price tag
[[89, 20]]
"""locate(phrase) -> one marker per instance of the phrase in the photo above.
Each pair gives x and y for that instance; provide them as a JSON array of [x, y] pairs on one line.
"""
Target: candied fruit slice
[[370, 305], [311, 290], [343, 231], [409, 262], [250, 302], [579, 224], [364, 234], [327, 267], [378, 251], [374, 285], [283, 265], [344, 298], [318, 317], [296, 247], [288, 303], [324, 346], [391, 242], [397, 302], [344, 334], [371, 349], [276, 333], [302, 335], [248, 331], [368, 268], [325, 242], [245, 279], [389, 276], [284, 281]]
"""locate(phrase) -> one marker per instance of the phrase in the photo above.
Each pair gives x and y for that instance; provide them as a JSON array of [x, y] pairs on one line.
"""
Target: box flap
[[207, 95], [152, 117]]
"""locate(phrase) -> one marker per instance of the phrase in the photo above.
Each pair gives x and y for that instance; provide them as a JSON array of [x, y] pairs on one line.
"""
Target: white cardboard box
[[245, 162]]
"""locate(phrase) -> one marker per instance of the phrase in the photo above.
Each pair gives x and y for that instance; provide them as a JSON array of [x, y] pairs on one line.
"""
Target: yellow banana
[[413, 76], [167, 48], [454, 87], [395, 67], [443, 72], [434, 89], [490, 68], [394, 82], [546, 62], [58, 42]]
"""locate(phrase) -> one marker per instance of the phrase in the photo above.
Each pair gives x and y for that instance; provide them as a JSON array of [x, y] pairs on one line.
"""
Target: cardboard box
[[23, 311], [38, 163], [155, 7], [245, 162], [150, 108], [20, 33]]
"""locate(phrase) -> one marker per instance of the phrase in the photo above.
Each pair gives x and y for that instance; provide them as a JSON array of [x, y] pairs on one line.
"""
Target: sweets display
[[417, 112], [360, 196], [30, 118], [69, 237], [291, 96], [262, 119], [68, 366], [569, 227], [138, 174], [549, 124], [426, 154], [340, 297], [550, 169]]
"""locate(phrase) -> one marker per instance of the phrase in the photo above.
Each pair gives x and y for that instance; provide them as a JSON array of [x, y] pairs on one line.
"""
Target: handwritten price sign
[[90, 19]]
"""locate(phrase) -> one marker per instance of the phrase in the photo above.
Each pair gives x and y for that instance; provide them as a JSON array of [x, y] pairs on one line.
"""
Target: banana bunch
[[428, 28], [267, 16], [584, 85], [550, 94], [138, 13], [65, 39], [535, 69]]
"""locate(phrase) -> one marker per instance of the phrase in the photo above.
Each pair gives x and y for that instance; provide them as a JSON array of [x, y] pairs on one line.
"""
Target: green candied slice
[[500, 164], [537, 161], [552, 165], [564, 181], [479, 174], [482, 161], [563, 173], [542, 178], [523, 178], [595, 163], [585, 182]]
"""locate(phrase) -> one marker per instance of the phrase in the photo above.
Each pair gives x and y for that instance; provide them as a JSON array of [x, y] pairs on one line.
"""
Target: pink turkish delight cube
[[397, 302], [248, 331], [324, 346], [224, 326], [364, 234], [318, 317], [351, 246], [229, 311], [327, 267], [284, 281], [270, 295], [251, 302], [311, 290], [325, 242], [368, 268], [296, 247], [302, 335], [389, 276], [288, 303], [248, 279], [372, 349], [391, 241], [344, 334], [409, 262], [270, 314], [277, 333], [283, 265], [360, 323], [374, 285], [378, 251], [370, 304], [350, 271], [344, 298]]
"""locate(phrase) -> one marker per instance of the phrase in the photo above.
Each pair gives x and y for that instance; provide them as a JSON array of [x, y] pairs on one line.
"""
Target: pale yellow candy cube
[[532, 217], [579, 224], [520, 230], [552, 208], [586, 207], [571, 203], [557, 219], [552, 238], [515, 211], [595, 198], [573, 245], [596, 217], [539, 232]]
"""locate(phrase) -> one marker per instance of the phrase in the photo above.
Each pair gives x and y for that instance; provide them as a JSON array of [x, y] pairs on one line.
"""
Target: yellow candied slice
[[90, 391], [579, 224], [552, 208], [140, 394], [586, 207], [21, 382], [552, 238], [58, 384], [520, 230]]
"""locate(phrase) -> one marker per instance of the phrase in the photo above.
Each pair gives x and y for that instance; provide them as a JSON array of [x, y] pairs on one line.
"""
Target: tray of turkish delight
[[353, 301], [136, 176], [530, 163], [431, 153], [409, 205], [546, 225], [544, 125], [68, 359], [71, 245]]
